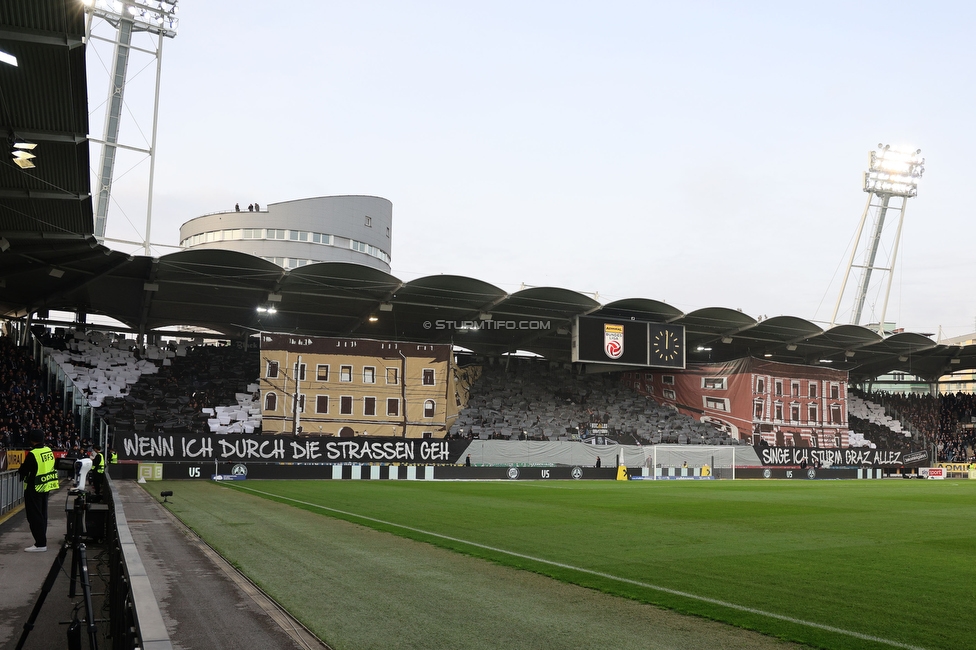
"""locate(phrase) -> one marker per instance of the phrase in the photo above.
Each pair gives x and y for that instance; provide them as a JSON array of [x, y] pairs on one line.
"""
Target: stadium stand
[[198, 389], [945, 420], [541, 400], [25, 403]]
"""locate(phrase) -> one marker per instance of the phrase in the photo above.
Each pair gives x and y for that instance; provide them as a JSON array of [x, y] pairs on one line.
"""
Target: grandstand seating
[[541, 400], [174, 388], [871, 426]]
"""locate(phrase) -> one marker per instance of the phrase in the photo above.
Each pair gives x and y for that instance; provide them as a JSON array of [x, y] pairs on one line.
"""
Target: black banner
[[240, 448], [812, 457]]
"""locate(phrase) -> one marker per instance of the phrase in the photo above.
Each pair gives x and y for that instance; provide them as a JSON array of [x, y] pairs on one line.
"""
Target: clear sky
[[699, 153]]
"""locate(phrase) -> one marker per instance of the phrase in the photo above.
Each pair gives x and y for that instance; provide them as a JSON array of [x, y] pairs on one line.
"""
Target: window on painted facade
[[429, 408], [778, 388], [812, 414], [299, 372], [668, 393], [778, 411], [393, 407], [717, 403], [714, 383], [301, 403], [322, 372], [428, 376], [392, 376], [345, 405], [795, 412], [270, 402], [345, 373], [760, 385], [813, 389], [667, 380], [795, 389], [835, 414], [272, 370], [369, 221], [757, 409], [321, 403], [369, 375], [369, 406], [834, 391]]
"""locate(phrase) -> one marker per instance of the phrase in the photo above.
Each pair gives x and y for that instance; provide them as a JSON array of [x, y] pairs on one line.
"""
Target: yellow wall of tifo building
[[364, 389]]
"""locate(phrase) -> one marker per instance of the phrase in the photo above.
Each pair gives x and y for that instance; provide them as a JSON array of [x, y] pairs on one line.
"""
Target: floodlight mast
[[892, 174], [156, 17]]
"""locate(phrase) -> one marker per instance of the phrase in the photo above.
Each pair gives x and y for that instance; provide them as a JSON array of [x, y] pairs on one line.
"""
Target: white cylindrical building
[[355, 229]]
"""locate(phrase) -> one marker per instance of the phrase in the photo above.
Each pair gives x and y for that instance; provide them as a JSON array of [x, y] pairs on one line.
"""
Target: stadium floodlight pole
[[156, 17], [892, 174]]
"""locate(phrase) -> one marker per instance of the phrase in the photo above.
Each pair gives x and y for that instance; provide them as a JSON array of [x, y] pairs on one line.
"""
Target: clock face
[[666, 345]]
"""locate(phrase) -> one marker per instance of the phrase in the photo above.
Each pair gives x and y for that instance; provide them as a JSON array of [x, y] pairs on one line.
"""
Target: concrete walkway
[[204, 602]]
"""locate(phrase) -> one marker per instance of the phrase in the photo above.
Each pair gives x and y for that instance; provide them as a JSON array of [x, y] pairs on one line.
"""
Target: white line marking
[[600, 574]]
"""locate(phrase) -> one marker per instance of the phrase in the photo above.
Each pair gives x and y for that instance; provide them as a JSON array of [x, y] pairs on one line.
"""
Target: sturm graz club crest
[[513, 473], [239, 470], [613, 340], [577, 473]]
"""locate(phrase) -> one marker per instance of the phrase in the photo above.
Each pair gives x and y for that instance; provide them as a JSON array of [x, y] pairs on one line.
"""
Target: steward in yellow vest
[[40, 479]]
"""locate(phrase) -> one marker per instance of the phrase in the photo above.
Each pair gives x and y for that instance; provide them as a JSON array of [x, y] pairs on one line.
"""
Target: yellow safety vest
[[98, 464], [46, 478], [115, 458]]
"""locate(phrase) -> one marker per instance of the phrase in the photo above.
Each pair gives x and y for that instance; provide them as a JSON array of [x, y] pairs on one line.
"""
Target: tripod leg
[[82, 554], [77, 530], [52, 576]]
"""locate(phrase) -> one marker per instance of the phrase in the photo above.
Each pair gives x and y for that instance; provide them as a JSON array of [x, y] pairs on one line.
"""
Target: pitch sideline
[[600, 574]]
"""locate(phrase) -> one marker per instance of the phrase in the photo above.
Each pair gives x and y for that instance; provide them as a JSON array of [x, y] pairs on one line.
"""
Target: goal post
[[686, 461]]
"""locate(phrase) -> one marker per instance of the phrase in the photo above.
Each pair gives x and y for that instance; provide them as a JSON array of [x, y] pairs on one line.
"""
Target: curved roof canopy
[[49, 259]]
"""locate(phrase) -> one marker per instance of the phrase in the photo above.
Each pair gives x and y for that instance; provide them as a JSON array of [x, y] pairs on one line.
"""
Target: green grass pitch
[[832, 564]]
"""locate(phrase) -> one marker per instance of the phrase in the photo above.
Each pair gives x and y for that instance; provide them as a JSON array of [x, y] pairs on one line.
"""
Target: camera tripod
[[79, 572]]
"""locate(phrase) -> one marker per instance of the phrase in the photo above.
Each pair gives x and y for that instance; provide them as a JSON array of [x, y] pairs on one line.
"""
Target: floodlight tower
[[891, 179], [154, 17]]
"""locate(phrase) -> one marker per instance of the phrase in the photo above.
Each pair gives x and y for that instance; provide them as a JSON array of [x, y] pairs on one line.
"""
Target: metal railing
[[11, 491]]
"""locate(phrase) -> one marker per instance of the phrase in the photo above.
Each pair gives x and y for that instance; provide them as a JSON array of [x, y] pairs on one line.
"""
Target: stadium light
[[894, 172], [153, 16], [8, 58], [267, 310], [21, 152]]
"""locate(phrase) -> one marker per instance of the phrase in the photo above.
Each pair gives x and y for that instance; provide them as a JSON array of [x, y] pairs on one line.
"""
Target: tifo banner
[[287, 449], [832, 457]]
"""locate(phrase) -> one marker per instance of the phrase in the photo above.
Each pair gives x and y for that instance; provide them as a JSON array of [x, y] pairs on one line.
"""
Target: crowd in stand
[[945, 420], [208, 376], [26, 405]]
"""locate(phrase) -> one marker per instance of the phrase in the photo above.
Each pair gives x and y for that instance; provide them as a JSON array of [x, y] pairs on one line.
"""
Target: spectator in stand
[[24, 404]]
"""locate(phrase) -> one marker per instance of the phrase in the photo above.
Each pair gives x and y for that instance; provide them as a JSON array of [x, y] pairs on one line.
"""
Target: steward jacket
[[38, 471]]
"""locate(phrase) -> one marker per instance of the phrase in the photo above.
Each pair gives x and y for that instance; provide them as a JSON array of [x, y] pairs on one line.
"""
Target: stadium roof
[[222, 291], [49, 259]]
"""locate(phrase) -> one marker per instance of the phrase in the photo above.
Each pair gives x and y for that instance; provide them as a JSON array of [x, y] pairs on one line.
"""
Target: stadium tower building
[[357, 229]]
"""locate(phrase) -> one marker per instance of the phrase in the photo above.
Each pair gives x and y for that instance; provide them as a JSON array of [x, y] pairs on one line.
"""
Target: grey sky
[[700, 153]]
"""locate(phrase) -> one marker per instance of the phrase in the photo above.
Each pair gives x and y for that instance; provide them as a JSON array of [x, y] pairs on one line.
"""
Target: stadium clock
[[667, 346]]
